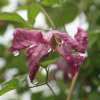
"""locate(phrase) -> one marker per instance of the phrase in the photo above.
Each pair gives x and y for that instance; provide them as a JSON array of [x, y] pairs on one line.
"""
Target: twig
[[52, 91], [45, 83], [46, 14], [72, 86], [47, 71], [37, 85]]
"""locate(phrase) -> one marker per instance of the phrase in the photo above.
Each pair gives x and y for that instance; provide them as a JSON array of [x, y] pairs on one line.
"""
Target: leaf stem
[[46, 83], [46, 14], [72, 86], [47, 70], [52, 90], [37, 85]]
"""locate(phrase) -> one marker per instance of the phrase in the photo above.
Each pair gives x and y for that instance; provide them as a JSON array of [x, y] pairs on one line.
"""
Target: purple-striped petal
[[81, 38], [73, 61], [24, 38], [62, 66], [33, 55], [33, 68], [79, 43]]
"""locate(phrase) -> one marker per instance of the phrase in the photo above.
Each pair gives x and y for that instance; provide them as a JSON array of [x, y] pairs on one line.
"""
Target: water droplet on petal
[[75, 64], [35, 81], [15, 53]]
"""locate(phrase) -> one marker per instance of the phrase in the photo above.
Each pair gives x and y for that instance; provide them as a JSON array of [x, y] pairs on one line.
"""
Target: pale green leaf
[[50, 2], [13, 17], [33, 11], [50, 58], [12, 84], [5, 90], [62, 14]]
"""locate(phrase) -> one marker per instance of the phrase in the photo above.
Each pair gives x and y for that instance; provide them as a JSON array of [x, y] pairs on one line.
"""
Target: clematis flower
[[38, 45], [59, 66]]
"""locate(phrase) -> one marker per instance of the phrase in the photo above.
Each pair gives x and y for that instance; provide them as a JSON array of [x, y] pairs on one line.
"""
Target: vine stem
[[47, 70], [37, 85], [46, 14], [72, 86], [52, 90]]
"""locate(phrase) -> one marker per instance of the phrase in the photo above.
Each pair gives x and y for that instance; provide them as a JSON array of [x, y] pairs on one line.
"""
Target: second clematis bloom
[[38, 45]]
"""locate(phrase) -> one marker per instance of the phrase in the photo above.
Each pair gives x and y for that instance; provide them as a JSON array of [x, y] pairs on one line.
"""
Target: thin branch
[[72, 86], [47, 71], [37, 85], [52, 91], [45, 83], [46, 14]]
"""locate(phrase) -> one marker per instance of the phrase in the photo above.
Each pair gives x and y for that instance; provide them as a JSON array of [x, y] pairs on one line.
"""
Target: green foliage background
[[61, 12]]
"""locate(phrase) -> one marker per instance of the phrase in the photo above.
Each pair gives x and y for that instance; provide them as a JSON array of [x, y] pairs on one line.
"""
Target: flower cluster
[[38, 45]]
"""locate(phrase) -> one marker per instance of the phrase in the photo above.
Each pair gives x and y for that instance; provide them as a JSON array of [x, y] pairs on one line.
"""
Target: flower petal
[[62, 66], [33, 55], [73, 61], [79, 43], [48, 36], [24, 38], [33, 70], [74, 66], [81, 38]]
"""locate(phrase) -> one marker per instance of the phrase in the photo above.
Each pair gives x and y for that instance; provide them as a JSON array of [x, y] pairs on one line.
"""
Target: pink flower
[[39, 44], [60, 65]]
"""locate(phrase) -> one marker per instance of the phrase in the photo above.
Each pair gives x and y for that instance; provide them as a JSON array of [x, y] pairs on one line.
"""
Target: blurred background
[[73, 14]]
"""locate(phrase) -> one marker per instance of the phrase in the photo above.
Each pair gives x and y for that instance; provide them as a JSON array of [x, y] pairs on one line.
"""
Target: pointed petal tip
[[33, 71]]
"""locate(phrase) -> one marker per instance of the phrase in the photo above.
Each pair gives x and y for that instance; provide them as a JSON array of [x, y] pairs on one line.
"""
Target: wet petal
[[33, 55], [73, 61], [24, 38], [62, 66], [81, 38], [33, 68], [80, 41], [75, 64]]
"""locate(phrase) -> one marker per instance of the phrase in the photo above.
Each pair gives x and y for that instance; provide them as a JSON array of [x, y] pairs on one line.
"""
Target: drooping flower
[[59, 66], [39, 44]]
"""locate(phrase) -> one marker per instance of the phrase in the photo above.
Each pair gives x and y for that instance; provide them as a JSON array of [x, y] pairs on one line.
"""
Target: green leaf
[[50, 2], [50, 58], [14, 17], [22, 7], [5, 90], [94, 96], [9, 85], [3, 2], [37, 96], [14, 83], [33, 11], [38, 76], [3, 26], [62, 14], [21, 79]]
